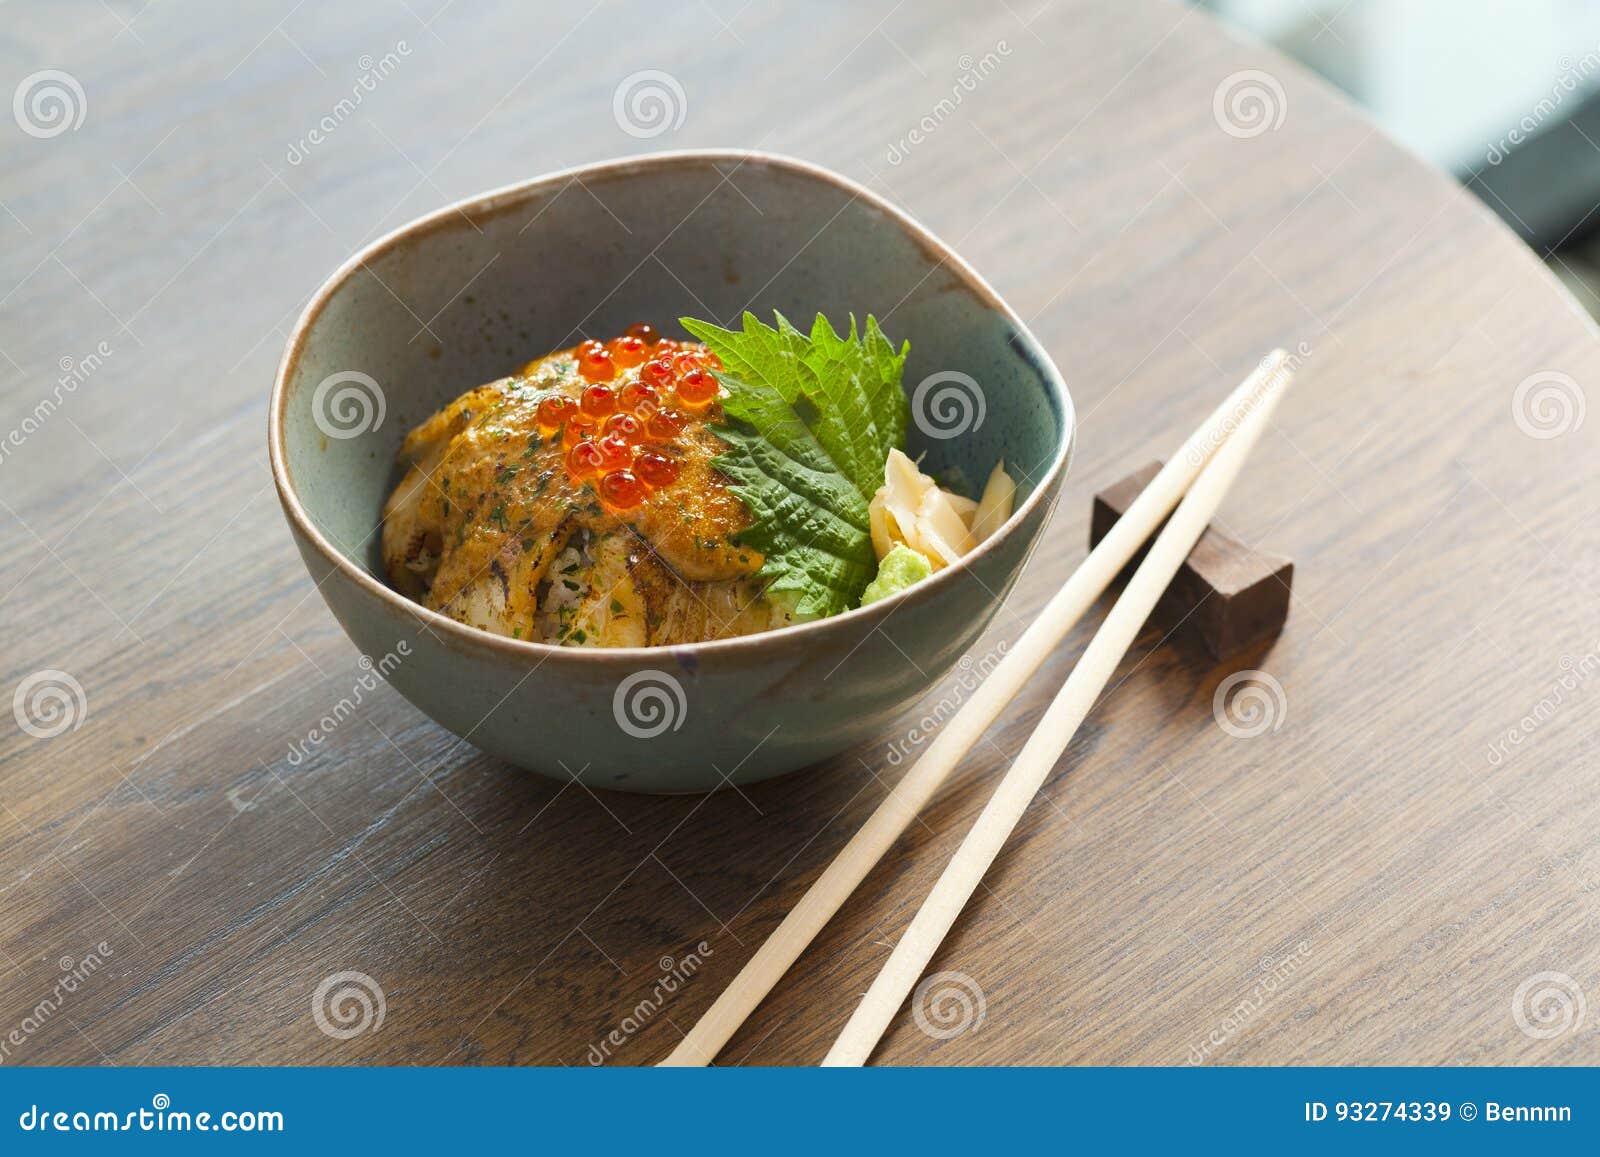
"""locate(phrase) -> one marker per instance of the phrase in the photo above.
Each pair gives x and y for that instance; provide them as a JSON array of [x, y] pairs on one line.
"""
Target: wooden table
[[1379, 876]]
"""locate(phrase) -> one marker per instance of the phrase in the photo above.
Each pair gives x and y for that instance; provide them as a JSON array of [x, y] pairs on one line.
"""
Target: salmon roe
[[664, 425], [628, 351], [585, 459], [554, 411], [597, 365], [657, 373], [626, 426], [697, 388], [639, 398], [612, 433], [655, 468], [598, 402], [615, 452], [623, 490]]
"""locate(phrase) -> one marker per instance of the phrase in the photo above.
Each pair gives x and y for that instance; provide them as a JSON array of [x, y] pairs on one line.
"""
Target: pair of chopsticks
[[1194, 481]]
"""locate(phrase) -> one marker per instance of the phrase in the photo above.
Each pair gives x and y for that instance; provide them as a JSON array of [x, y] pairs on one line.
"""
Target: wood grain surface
[[1389, 872]]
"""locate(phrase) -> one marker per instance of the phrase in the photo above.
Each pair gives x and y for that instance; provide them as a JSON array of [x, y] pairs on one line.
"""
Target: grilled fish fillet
[[493, 526]]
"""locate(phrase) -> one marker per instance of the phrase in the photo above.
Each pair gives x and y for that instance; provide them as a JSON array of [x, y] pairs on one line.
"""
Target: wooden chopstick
[[1055, 731], [966, 727]]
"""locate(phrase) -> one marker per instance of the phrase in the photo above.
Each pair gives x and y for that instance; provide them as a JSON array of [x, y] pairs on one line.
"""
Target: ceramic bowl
[[462, 295]]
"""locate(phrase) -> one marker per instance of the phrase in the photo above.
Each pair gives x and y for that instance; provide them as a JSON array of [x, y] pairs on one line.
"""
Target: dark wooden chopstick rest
[[1227, 594]]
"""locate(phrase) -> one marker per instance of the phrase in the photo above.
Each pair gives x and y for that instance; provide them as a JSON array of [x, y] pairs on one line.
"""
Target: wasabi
[[901, 567]]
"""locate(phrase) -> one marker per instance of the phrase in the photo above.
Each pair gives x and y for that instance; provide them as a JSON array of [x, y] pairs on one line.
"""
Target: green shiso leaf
[[810, 419]]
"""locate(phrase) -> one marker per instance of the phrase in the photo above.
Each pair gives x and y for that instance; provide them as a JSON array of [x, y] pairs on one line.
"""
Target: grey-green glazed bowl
[[460, 296]]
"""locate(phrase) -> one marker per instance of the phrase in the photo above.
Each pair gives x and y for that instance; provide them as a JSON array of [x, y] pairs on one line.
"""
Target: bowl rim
[[495, 200]]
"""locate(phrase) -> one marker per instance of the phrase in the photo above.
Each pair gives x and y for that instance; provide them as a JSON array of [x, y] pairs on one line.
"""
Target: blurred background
[[1503, 94]]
